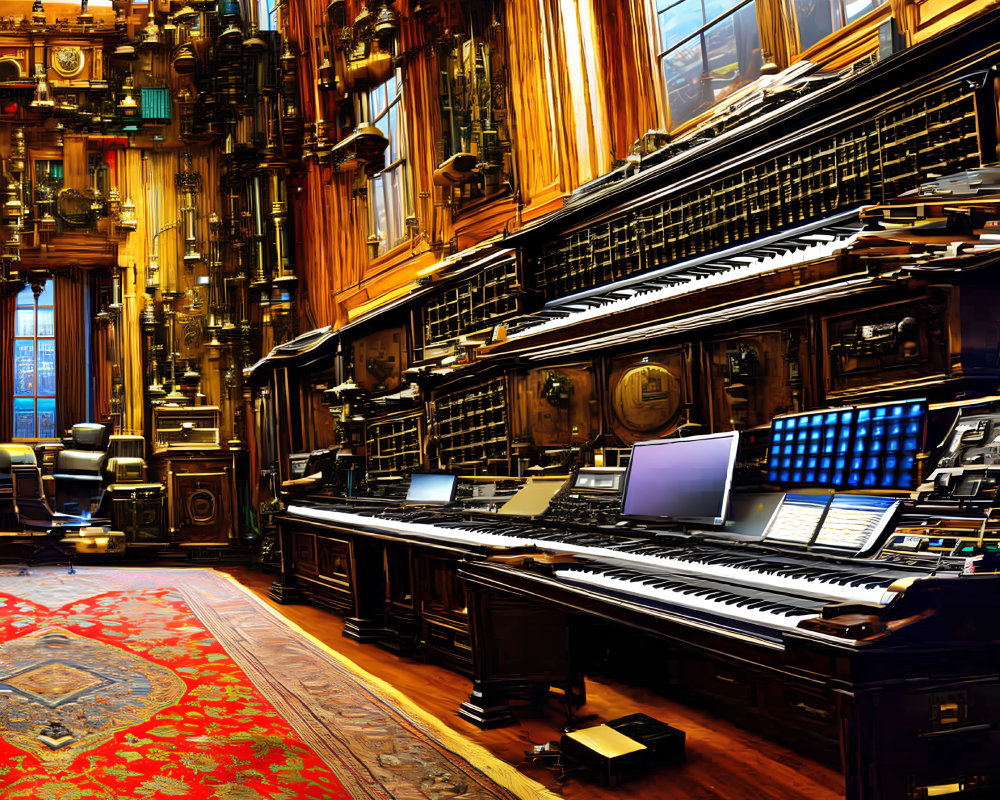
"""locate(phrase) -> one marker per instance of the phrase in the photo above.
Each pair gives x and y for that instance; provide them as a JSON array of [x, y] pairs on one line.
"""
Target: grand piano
[[858, 624]]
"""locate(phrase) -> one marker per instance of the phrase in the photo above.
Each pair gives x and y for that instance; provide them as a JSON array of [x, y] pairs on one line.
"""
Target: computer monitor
[[431, 489], [855, 447], [687, 480]]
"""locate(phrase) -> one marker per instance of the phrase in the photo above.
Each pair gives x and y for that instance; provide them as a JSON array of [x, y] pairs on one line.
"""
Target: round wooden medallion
[[646, 397]]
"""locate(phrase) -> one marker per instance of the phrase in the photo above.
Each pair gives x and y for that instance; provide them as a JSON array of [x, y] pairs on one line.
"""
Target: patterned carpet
[[179, 683]]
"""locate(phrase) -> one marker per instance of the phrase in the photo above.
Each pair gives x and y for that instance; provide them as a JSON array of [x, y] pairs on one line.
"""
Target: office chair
[[44, 528]]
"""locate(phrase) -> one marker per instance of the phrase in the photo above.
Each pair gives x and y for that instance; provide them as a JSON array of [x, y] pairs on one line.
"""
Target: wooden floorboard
[[724, 762]]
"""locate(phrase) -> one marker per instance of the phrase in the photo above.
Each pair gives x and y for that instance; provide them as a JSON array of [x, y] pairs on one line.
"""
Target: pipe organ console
[[817, 273], [851, 611]]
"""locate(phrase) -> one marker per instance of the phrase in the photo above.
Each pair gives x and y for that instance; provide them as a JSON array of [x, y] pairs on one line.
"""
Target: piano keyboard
[[772, 610], [798, 246], [438, 532], [799, 574]]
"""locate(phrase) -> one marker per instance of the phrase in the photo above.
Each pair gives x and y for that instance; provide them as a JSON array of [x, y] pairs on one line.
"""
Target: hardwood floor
[[724, 762]]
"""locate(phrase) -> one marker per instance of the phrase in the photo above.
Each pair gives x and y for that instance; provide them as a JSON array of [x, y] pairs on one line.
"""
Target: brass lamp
[[128, 220], [151, 34], [386, 27], [253, 43], [43, 94], [184, 59], [127, 106]]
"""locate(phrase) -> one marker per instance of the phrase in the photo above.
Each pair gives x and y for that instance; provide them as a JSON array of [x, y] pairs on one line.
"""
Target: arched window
[[35, 364]]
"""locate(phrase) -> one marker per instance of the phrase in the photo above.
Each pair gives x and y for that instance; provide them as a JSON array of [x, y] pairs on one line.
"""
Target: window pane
[[734, 50], [47, 418], [24, 417], [392, 118], [46, 322], [47, 297], [46, 367], [683, 19], [858, 8], [24, 366], [378, 209], [814, 19], [35, 363], [682, 76], [716, 8], [377, 102], [24, 324], [394, 191], [386, 201]]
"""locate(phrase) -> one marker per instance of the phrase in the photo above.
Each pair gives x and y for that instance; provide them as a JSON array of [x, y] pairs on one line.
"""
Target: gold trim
[[69, 53]]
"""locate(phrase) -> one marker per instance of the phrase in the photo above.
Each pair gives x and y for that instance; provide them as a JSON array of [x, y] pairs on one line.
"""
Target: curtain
[[8, 298], [71, 356], [631, 93], [772, 25]]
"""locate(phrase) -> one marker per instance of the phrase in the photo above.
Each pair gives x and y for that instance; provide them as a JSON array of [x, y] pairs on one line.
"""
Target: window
[[35, 364], [388, 193], [267, 11], [815, 19], [707, 48]]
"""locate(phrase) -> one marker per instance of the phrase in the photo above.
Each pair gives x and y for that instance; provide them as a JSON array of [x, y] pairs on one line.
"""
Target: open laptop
[[431, 489]]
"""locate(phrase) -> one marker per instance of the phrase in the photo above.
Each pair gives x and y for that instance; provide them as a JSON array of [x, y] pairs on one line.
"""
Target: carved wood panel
[[556, 406], [889, 343], [379, 360], [755, 376]]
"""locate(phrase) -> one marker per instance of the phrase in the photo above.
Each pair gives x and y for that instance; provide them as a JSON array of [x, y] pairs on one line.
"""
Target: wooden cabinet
[[200, 497]]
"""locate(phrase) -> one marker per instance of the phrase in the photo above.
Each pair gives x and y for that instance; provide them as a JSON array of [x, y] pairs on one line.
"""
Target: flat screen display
[[687, 480], [599, 479], [856, 447], [431, 489]]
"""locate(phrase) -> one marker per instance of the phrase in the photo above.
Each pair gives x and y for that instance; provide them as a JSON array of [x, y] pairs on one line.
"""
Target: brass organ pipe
[[260, 273], [279, 212]]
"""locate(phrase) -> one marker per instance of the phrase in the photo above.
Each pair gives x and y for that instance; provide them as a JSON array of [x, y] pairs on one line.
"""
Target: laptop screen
[[431, 489]]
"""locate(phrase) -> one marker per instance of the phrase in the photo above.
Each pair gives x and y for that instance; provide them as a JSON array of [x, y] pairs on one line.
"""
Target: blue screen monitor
[[687, 480], [856, 447], [431, 489]]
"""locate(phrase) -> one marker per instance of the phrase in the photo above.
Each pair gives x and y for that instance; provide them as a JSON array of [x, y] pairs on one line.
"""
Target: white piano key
[[685, 599]]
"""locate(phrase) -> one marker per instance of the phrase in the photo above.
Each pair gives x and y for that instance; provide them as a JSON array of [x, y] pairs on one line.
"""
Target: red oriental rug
[[165, 683]]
